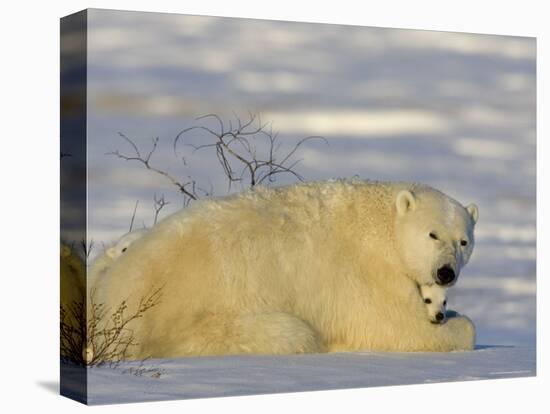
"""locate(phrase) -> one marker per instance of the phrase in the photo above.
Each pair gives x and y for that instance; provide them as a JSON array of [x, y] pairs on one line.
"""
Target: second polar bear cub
[[104, 261], [124, 243], [435, 298]]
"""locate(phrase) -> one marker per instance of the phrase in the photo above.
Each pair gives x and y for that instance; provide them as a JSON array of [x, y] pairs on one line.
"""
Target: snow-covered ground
[[244, 375], [455, 111]]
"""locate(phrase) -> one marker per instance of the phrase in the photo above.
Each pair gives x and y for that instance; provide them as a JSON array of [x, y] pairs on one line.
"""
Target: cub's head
[[435, 298], [124, 243], [434, 235]]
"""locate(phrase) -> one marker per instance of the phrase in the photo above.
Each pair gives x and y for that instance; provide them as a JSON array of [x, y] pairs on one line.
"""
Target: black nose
[[439, 316], [445, 275]]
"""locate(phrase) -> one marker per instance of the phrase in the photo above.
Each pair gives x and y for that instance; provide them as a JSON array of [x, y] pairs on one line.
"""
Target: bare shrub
[[101, 335], [240, 153], [73, 332], [186, 187], [249, 152]]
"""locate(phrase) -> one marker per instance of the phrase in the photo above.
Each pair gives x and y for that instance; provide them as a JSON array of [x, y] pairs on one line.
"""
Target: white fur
[[450, 221], [124, 243], [102, 263]]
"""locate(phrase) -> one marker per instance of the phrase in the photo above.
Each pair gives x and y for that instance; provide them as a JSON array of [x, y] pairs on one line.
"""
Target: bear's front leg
[[462, 332], [458, 334]]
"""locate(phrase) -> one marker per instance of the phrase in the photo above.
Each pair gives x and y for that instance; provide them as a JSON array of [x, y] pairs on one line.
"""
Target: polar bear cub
[[103, 262], [124, 243], [435, 298]]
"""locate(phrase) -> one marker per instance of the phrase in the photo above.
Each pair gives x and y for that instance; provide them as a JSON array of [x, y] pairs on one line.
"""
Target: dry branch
[[146, 161], [159, 204], [133, 216], [101, 336], [248, 151], [238, 152]]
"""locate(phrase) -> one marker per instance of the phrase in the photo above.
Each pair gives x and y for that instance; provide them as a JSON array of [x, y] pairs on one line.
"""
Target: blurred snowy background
[[455, 111]]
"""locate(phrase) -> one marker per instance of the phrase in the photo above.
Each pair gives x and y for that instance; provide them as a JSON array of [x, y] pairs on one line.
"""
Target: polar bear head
[[435, 298], [124, 243], [434, 235]]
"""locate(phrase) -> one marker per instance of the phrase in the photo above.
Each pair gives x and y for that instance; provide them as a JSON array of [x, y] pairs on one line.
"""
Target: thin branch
[[159, 204], [133, 216], [239, 145], [182, 186], [87, 248], [248, 151]]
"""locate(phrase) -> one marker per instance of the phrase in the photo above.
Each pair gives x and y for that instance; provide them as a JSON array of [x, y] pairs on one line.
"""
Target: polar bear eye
[[123, 250], [463, 242], [444, 303], [428, 301], [433, 235]]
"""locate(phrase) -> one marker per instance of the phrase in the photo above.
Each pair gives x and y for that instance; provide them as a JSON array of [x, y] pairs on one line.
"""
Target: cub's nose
[[439, 316], [445, 275]]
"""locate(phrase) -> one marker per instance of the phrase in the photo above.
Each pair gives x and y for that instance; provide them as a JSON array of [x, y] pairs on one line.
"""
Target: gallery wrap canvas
[[255, 206]]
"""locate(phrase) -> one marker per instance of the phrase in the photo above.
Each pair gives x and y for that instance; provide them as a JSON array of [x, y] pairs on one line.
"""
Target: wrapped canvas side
[[73, 382]]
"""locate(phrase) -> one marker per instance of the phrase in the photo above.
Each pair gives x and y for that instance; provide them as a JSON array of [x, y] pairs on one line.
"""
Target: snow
[[244, 375]]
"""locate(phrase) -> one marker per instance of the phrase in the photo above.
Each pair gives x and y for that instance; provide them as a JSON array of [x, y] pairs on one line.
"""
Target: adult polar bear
[[324, 266]]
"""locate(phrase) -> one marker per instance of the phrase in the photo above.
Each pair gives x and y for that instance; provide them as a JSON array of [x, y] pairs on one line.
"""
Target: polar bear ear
[[111, 252], [473, 212], [405, 202]]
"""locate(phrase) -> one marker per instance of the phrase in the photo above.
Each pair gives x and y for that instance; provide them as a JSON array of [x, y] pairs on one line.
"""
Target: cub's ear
[[111, 252], [405, 202], [473, 212]]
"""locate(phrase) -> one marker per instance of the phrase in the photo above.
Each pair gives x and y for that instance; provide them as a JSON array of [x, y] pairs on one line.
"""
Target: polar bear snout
[[445, 275]]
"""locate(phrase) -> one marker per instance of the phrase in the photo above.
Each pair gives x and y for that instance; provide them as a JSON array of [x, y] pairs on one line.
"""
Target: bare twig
[[142, 370], [87, 248], [146, 161], [247, 150], [159, 204], [133, 216], [238, 145], [102, 336]]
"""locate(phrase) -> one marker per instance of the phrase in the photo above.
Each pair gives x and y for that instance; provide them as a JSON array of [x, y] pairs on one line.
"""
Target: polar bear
[[435, 298], [312, 267], [105, 260]]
